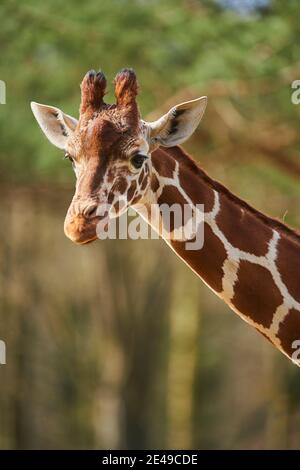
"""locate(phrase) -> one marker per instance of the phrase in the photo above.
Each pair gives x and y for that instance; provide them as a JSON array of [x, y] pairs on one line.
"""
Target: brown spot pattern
[[289, 331], [207, 262], [288, 263], [196, 189], [119, 205], [131, 191], [242, 228], [255, 294], [154, 183], [163, 163], [141, 177], [121, 185], [169, 196], [110, 198]]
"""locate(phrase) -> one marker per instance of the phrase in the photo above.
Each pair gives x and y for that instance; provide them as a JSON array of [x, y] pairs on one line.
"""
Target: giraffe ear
[[178, 124], [55, 124]]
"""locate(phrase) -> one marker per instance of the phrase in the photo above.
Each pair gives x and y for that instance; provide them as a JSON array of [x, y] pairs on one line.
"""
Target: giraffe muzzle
[[81, 224], [80, 229]]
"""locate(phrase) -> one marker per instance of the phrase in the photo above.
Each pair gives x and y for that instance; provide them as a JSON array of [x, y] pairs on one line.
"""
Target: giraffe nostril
[[91, 210]]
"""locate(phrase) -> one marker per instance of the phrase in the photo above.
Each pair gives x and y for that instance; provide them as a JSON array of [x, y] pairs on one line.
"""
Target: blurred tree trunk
[[184, 336], [135, 324]]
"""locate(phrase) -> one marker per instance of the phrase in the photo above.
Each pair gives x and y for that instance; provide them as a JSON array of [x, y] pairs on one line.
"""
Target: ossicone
[[126, 87], [93, 88]]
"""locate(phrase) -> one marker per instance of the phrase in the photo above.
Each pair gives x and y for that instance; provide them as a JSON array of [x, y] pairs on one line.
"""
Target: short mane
[[184, 158]]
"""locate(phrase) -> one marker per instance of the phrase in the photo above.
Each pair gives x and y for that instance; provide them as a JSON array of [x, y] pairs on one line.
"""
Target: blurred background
[[118, 344]]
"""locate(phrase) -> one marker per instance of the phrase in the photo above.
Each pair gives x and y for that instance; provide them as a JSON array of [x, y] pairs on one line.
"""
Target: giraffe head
[[110, 149]]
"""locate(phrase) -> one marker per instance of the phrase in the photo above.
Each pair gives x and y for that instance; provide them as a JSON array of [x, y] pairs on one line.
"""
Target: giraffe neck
[[248, 259]]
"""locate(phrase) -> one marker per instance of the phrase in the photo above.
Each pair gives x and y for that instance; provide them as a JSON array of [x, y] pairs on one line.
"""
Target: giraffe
[[250, 260]]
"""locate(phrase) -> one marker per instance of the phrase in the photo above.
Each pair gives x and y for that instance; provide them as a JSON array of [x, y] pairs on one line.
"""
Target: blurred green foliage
[[46, 49]]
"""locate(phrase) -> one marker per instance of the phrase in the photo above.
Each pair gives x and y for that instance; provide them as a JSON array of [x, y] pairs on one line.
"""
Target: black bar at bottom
[[138, 458]]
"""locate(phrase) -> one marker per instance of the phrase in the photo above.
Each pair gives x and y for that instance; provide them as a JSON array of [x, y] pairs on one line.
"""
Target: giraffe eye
[[138, 159]]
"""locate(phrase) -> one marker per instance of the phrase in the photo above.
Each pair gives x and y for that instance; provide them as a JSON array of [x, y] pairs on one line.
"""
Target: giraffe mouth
[[87, 242], [81, 230]]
